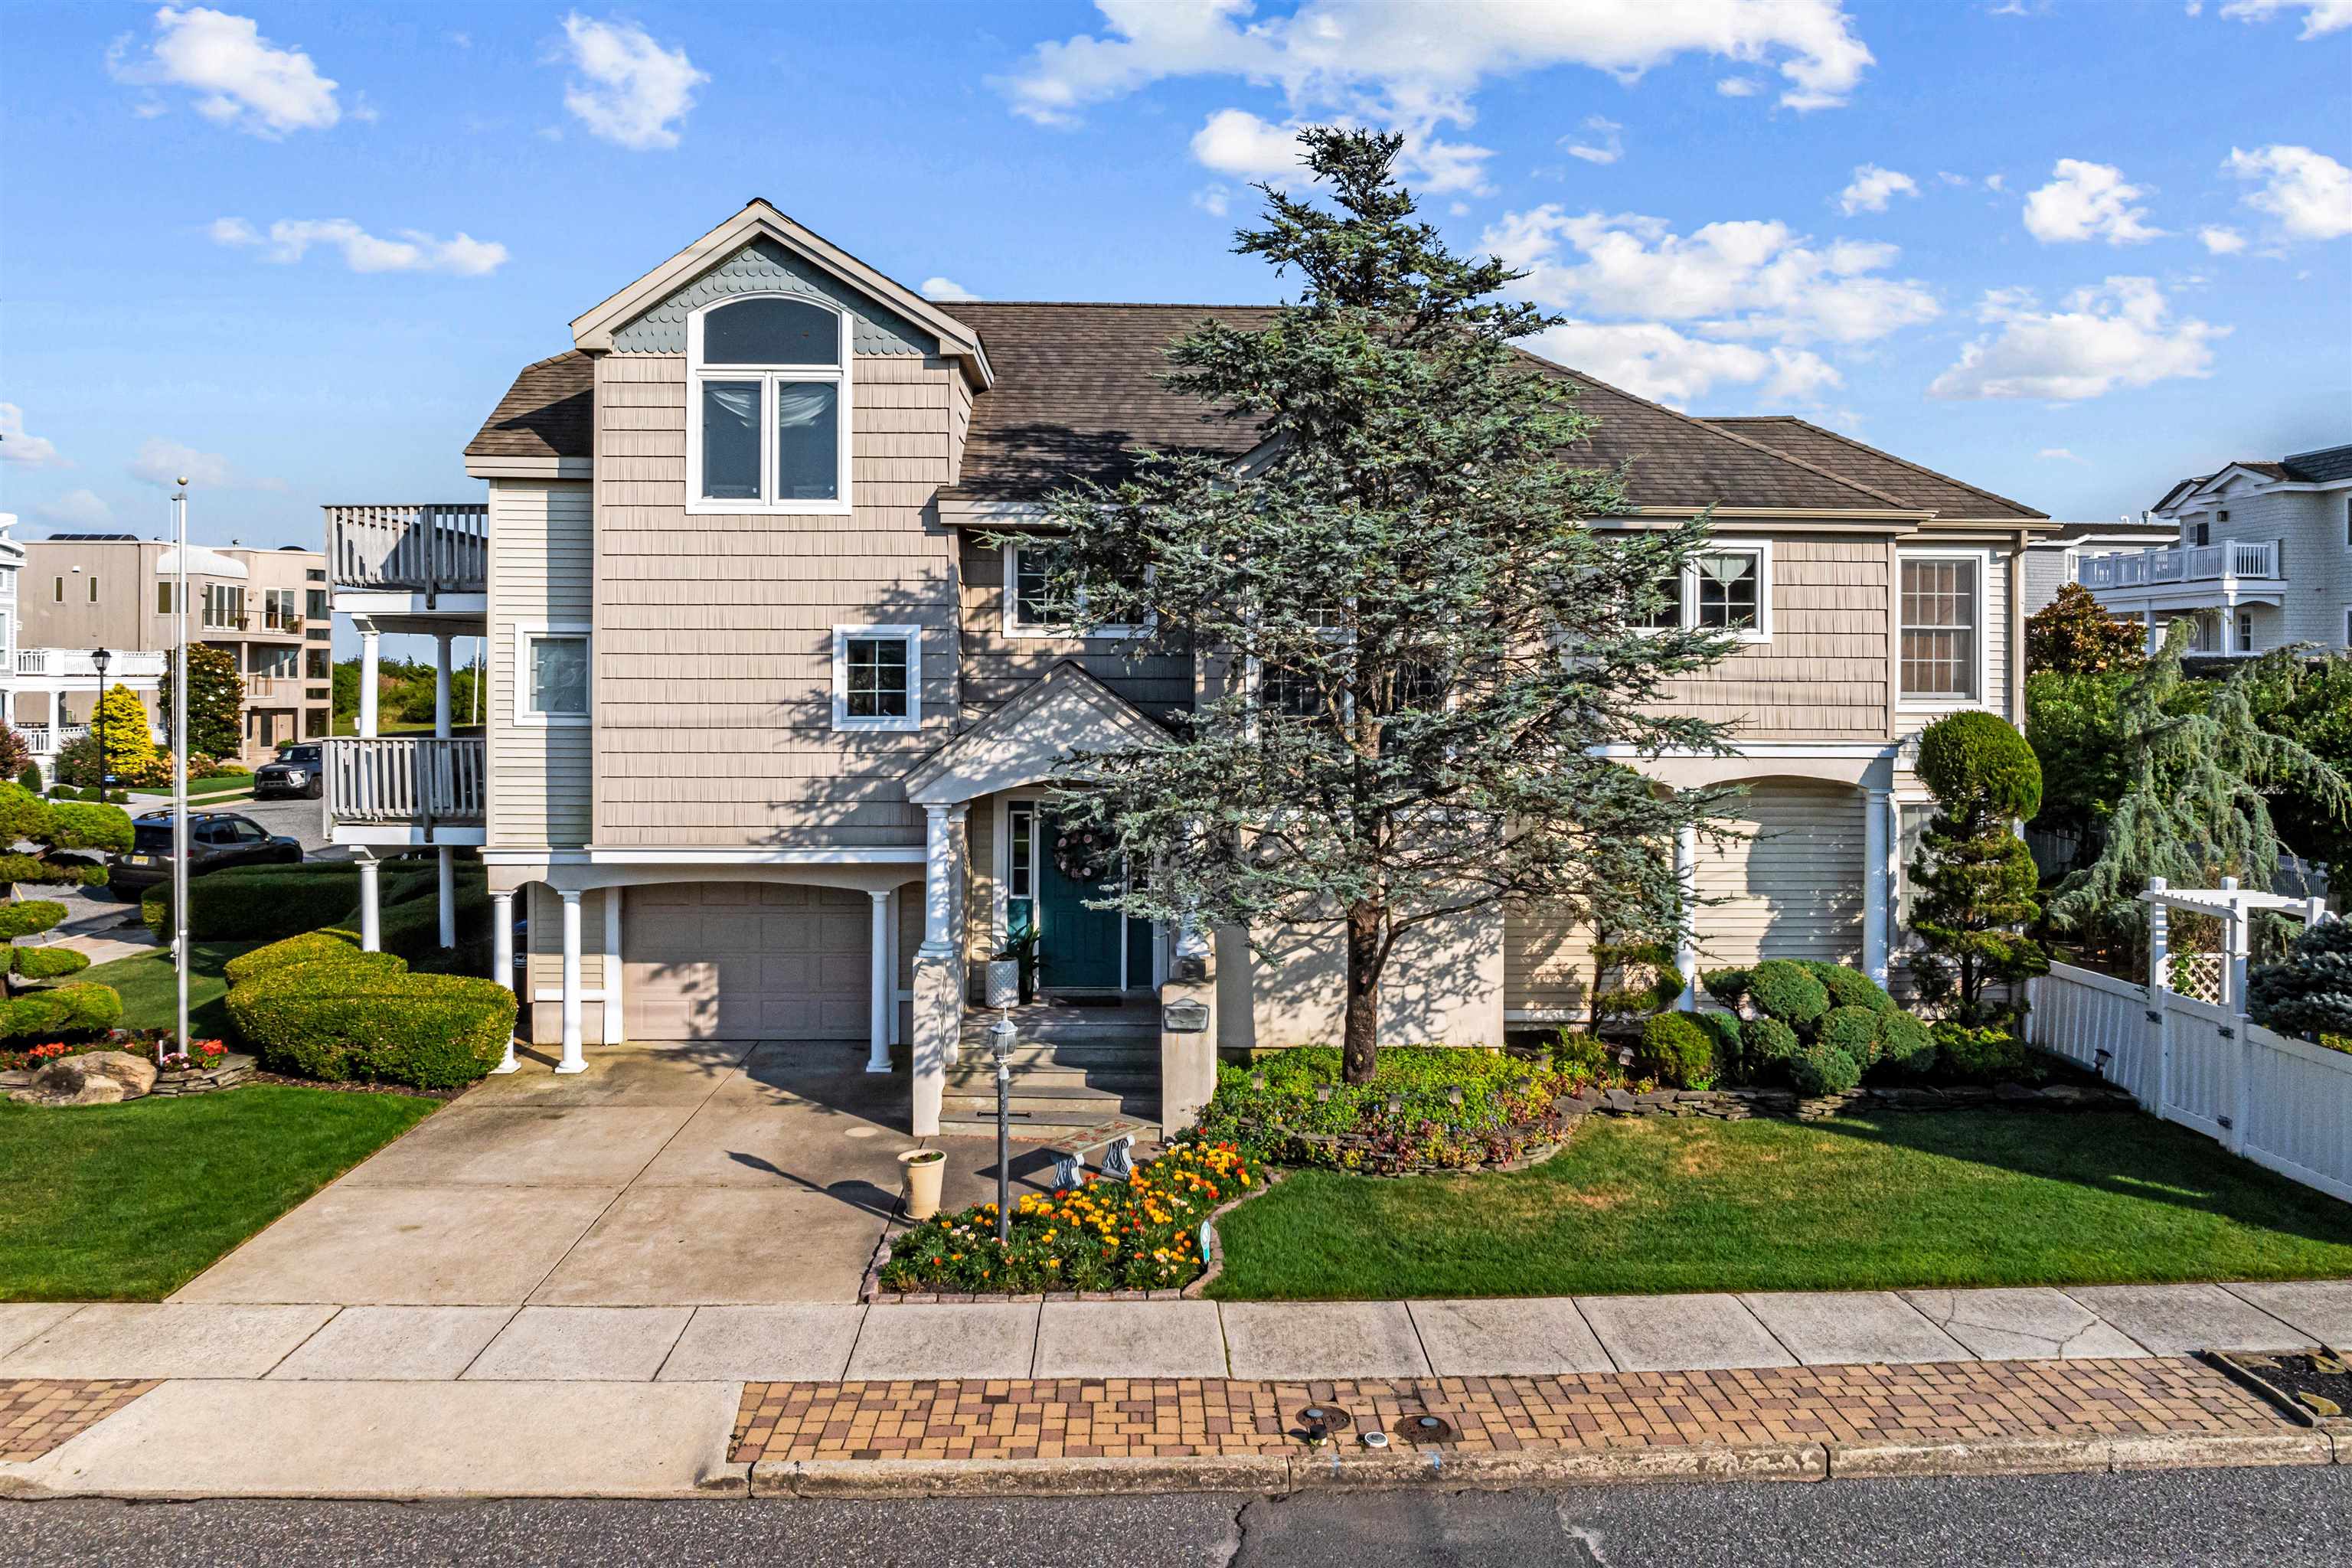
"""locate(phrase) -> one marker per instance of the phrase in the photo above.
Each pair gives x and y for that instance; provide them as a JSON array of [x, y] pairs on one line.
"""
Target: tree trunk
[[1360, 1045]]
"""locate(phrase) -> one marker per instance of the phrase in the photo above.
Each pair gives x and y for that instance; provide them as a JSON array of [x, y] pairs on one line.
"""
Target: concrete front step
[[1093, 1053], [980, 1077], [1075, 1025]]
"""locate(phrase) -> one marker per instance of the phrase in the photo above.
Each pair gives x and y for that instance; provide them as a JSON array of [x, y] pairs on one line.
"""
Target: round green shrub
[[27, 916], [1855, 1031], [1980, 757], [365, 1018], [1677, 1052], [1851, 987], [1979, 1055], [46, 963], [1906, 1046], [1728, 986], [310, 947], [1767, 1043], [60, 1011], [29, 778], [1731, 1050], [1785, 989], [1820, 1069], [78, 826]]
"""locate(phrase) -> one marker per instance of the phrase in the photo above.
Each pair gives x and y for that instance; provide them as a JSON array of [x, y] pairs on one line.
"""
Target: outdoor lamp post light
[[180, 775], [101, 659], [1000, 1046]]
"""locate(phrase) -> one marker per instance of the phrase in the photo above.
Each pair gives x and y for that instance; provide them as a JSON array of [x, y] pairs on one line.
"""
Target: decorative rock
[[95, 1078]]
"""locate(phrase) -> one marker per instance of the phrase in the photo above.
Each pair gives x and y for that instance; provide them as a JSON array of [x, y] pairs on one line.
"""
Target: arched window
[[768, 409]]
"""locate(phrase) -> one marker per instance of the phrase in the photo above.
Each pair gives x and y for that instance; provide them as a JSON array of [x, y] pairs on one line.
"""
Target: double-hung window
[[1029, 611], [877, 678], [1943, 627], [552, 675], [768, 406]]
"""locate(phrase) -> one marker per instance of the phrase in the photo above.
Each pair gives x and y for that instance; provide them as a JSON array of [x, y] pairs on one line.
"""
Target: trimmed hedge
[[1851, 987], [263, 903], [1678, 1052], [1787, 990], [1906, 1046], [1728, 986], [310, 947], [1768, 1041], [1975, 755], [1855, 1031], [28, 916], [60, 1010], [46, 963], [1820, 1069], [1980, 1056], [363, 1017]]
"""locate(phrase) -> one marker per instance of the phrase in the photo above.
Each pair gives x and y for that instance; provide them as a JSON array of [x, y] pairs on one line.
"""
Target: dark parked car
[[296, 771], [215, 838]]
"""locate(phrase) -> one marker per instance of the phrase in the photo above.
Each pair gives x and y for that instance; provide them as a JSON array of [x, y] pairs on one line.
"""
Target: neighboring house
[[12, 564], [2260, 557], [2052, 559], [769, 726], [267, 610]]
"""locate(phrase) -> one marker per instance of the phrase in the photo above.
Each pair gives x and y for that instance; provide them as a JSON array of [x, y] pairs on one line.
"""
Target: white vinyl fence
[[2280, 1101]]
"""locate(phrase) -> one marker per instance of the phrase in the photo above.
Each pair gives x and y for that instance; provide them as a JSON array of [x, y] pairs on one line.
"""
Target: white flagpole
[[180, 783]]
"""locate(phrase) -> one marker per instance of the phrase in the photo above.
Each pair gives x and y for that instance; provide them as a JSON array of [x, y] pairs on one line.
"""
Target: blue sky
[[2069, 251]]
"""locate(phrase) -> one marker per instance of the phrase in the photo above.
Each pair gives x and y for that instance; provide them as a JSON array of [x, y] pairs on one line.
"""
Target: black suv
[[215, 838], [296, 771]]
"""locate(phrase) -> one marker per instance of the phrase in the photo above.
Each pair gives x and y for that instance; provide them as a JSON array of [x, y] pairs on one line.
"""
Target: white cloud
[[630, 90], [290, 239], [1871, 186], [2309, 193], [1214, 200], [2057, 454], [239, 77], [1738, 86], [165, 463], [2120, 334], [76, 509], [2318, 16], [1607, 146], [2087, 201], [945, 289], [1652, 360], [32, 451], [1996, 181], [1737, 279], [2222, 240], [1237, 142]]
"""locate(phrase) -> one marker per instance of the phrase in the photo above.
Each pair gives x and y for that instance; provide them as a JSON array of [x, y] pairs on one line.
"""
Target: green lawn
[[1946, 1199], [149, 994], [128, 1203]]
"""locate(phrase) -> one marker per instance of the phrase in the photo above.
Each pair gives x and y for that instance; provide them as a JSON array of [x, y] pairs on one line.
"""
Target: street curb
[[2094, 1456]]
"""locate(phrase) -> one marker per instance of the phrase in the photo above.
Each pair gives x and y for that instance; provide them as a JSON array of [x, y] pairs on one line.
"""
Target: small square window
[[1729, 590], [877, 678], [556, 677]]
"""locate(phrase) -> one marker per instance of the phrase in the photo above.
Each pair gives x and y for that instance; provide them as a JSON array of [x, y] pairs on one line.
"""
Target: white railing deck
[[75, 664], [401, 778], [2231, 560], [431, 548]]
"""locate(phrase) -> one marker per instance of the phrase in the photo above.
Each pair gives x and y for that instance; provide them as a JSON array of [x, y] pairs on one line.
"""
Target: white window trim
[[524, 717], [1982, 700], [1015, 627], [1686, 605], [697, 373], [913, 638]]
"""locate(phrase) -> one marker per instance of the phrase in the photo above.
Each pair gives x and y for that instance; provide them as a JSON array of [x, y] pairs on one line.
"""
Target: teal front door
[[1077, 948]]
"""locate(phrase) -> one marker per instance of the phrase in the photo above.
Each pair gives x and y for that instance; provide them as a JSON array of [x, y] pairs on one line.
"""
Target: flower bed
[[1141, 1234], [1428, 1108]]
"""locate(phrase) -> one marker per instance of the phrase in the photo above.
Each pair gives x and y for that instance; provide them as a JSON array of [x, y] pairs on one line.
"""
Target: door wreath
[[1083, 854]]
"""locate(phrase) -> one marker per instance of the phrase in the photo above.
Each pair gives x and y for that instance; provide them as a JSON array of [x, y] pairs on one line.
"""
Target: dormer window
[[768, 406]]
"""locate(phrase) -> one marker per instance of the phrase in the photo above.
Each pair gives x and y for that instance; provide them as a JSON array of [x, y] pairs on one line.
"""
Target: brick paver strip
[[1943, 1402], [37, 1413]]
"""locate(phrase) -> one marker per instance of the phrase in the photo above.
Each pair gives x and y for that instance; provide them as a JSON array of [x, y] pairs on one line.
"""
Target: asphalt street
[[2280, 1518]]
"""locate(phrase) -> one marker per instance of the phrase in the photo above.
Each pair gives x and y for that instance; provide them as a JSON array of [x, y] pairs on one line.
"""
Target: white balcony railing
[[418, 779], [2232, 559], [429, 549], [75, 664]]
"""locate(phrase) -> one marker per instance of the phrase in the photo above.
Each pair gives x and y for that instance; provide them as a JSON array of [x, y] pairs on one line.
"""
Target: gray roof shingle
[[549, 412], [1949, 497]]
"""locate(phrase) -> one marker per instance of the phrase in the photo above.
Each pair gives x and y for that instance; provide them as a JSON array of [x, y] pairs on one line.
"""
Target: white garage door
[[1794, 888], [744, 960]]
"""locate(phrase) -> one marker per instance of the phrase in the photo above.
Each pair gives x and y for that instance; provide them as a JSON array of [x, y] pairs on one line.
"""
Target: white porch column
[[371, 908], [448, 889], [939, 880], [1686, 937], [881, 1005], [575, 1060], [895, 1029], [617, 1026], [502, 960], [370, 646], [441, 685], [1877, 885], [939, 969]]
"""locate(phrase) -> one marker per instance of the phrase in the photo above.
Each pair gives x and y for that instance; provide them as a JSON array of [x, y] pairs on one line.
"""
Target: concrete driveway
[[677, 1175]]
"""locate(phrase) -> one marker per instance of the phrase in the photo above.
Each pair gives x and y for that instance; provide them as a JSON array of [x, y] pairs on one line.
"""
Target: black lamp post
[[101, 659]]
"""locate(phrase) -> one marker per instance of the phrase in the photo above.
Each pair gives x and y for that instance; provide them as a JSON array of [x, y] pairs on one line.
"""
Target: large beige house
[[769, 726], [267, 610]]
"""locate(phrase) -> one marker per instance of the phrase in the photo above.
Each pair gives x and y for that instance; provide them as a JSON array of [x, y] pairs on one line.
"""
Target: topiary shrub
[[1855, 1031], [46, 963], [28, 916], [310, 947], [363, 1017], [1767, 1043], [1731, 1050], [1820, 1069], [1851, 987], [60, 1010], [1678, 1051], [28, 778], [1977, 755], [1627, 960], [1978, 1056], [1784, 989], [1906, 1046], [1728, 986]]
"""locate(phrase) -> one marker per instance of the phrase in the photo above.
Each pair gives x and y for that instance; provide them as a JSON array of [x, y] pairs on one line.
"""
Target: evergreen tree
[[2196, 806], [216, 701], [70, 838], [1973, 876], [1415, 641], [122, 725], [2074, 635]]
